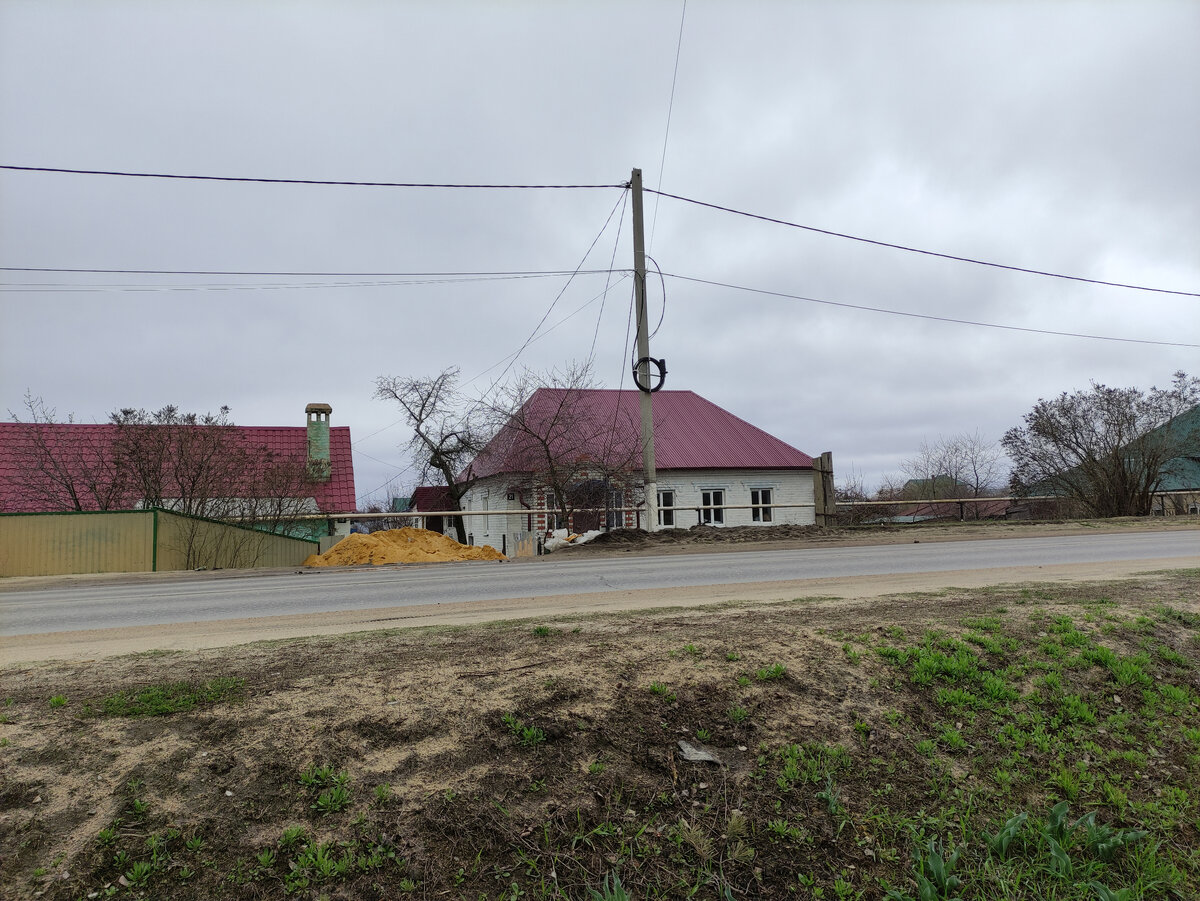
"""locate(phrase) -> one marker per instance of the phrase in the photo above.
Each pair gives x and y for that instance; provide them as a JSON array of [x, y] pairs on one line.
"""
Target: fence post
[[824, 497]]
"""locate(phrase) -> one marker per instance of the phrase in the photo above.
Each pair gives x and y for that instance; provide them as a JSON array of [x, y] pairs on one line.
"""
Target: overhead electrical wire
[[76, 288], [302, 181], [512, 358], [579, 309], [908, 249], [662, 163], [625, 274], [608, 281], [658, 193], [558, 297], [662, 313], [852, 306], [504, 273]]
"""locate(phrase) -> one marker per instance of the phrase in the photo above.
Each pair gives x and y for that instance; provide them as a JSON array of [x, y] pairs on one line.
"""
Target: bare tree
[[1107, 448], [76, 474], [448, 431], [955, 466], [559, 444], [203, 466], [851, 496], [199, 465]]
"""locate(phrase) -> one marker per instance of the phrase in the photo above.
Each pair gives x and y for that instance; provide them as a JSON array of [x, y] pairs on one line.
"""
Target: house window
[[550, 504], [713, 498], [614, 517], [666, 517], [760, 501]]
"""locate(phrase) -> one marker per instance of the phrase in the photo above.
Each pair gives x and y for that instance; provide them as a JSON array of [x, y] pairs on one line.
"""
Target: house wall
[[504, 531], [788, 486]]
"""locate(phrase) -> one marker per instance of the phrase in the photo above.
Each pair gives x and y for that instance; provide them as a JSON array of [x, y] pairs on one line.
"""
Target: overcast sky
[[1046, 135]]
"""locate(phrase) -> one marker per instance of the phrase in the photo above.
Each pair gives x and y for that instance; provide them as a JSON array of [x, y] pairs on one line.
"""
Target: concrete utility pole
[[649, 474]]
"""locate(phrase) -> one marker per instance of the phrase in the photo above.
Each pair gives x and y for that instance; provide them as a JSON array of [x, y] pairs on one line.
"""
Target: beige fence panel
[[51, 544], [186, 542]]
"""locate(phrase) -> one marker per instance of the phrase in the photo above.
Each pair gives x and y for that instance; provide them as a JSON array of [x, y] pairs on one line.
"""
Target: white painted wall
[[788, 486], [484, 526]]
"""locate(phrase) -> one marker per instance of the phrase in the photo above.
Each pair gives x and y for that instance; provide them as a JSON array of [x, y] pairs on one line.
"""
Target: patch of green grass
[[657, 688], [138, 876], [58, 701], [527, 736], [771, 673], [172, 697], [332, 800], [738, 714], [292, 836]]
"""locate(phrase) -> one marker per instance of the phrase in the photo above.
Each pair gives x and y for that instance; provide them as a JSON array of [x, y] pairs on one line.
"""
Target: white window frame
[[551, 507], [666, 498], [614, 517], [761, 500], [712, 500]]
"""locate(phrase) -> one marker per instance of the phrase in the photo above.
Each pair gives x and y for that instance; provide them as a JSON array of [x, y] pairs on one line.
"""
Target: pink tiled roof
[[689, 433], [81, 447]]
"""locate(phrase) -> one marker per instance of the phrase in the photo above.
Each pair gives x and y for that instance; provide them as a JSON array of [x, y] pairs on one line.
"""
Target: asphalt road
[[160, 602]]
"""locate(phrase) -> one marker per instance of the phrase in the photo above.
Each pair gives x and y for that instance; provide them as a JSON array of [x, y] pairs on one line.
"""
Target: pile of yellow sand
[[400, 546]]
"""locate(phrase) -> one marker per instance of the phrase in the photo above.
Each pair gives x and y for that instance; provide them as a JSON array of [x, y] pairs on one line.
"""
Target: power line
[[579, 309], [301, 181], [75, 288], [550, 328], [281, 274], [851, 306], [931, 253], [657, 193], [608, 281], [558, 297], [662, 163]]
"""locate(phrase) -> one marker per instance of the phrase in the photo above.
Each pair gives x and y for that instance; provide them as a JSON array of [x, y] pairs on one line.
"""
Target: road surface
[[166, 611]]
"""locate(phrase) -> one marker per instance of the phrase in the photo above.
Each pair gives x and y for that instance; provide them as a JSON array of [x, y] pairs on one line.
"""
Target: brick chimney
[[318, 441]]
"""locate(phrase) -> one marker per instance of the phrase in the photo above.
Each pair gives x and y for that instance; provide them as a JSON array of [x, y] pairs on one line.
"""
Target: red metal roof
[[82, 447], [689, 433], [430, 497]]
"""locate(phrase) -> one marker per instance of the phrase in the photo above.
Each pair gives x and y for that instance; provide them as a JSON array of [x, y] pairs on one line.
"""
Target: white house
[[582, 445]]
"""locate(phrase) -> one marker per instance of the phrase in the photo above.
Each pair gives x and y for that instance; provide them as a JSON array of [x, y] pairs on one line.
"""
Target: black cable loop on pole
[[660, 365]]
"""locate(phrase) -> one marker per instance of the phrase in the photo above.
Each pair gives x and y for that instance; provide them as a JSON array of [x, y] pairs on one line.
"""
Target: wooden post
[[824, 497]]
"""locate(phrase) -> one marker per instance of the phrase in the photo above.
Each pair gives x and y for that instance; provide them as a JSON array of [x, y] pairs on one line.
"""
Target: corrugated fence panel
[[186, 542], [51, 544]]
